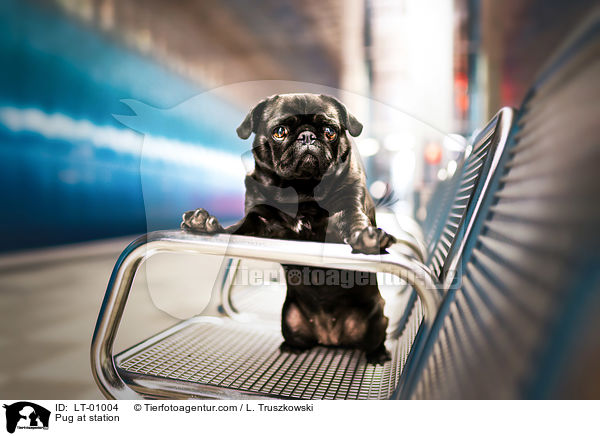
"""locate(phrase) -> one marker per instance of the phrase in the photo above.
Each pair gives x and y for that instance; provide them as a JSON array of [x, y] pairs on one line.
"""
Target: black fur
[[309, 186]]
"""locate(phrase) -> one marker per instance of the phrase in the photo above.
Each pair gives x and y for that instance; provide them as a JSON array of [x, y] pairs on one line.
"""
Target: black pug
[[308, 186]]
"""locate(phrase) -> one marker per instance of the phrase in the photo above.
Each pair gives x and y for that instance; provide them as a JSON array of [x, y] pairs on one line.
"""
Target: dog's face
[[299, 136]]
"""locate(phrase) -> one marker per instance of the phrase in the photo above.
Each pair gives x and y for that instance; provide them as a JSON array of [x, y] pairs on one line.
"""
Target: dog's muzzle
[[308, 155], [306, 138]]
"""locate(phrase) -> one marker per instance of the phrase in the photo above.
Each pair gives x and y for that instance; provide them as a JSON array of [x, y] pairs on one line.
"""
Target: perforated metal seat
[[231, 359]]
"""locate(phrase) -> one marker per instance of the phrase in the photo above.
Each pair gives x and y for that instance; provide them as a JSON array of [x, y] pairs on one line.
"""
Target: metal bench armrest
[[292, 252]]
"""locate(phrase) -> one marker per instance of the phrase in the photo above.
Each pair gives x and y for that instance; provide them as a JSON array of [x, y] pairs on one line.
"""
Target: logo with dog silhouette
[[26, 415]]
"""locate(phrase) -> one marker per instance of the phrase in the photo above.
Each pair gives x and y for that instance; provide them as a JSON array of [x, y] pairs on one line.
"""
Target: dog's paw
[[286, 347], [370, 240], [378, 356], [200, 221]]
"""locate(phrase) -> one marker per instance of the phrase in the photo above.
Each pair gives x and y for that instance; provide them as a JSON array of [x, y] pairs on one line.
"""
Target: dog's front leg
[[356, 229]]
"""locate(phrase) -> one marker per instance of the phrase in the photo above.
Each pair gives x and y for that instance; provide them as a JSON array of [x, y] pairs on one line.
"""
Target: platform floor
[[49, 304]]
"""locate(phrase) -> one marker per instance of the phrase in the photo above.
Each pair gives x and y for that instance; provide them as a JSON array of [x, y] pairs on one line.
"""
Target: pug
[[308, 185]]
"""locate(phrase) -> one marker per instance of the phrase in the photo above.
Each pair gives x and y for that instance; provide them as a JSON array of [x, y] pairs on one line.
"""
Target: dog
[[308, 185]]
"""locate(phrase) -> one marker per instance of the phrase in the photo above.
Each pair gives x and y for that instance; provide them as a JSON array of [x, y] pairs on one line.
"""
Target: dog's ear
[[252, 119], [353, 126]]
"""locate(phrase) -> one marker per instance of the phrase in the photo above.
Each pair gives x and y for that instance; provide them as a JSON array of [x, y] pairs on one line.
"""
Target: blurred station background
[[70, 170], [78, 167]]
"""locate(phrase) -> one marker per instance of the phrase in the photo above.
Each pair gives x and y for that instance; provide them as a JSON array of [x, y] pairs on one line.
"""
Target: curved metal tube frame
[[292, 252]]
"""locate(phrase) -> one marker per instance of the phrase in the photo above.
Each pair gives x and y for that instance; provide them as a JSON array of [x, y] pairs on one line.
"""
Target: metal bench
[[506, 305], [225, 357]]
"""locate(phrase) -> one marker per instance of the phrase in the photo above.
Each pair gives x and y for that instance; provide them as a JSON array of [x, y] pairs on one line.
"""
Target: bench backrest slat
[[480, 163], [475, 167]]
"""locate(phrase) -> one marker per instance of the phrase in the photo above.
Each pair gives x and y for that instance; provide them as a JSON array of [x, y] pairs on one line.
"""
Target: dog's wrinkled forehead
[[300, 108], [302, 104], [276, 109]]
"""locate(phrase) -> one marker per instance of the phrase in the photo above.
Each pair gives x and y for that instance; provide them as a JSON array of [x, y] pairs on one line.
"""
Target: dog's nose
[[307, 137]]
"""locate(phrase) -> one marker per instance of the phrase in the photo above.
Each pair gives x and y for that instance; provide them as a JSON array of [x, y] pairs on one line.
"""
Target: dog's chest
[[310, 223]]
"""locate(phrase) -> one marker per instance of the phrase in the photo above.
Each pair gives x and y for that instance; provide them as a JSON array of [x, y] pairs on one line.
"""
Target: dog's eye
[[330, 133], [280, 132]]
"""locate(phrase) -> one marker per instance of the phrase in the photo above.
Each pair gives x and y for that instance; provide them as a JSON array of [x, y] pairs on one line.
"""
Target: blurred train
[[69, 169]]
